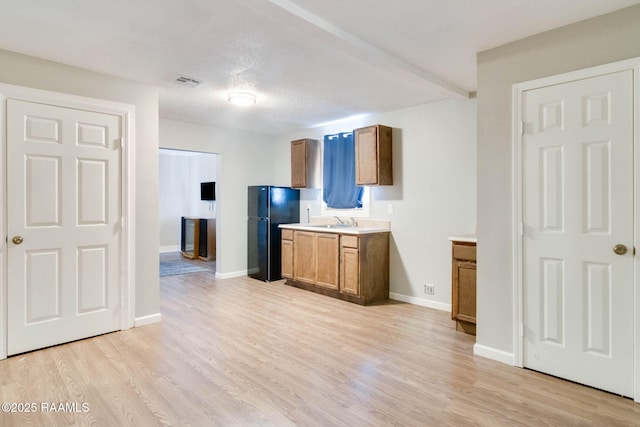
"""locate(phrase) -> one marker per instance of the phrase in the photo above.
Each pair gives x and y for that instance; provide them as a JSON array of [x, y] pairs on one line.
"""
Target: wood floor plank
[[240, 352]]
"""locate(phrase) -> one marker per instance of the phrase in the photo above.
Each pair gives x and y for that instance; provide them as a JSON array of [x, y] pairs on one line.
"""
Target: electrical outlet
[[430, 289]]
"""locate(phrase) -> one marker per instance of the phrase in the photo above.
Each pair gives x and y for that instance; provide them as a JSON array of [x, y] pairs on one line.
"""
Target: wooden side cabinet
[[189, 237], [373, 155], [463, 286], [305, 163], [198, 238], [207, 239]]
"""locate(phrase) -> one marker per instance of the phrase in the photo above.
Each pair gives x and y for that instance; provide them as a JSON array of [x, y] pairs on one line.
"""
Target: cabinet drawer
[[287, 234], [349, 241], [466, 252]]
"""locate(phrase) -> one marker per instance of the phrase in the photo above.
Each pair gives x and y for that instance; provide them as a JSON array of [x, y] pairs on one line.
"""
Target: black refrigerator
[[269, 207]]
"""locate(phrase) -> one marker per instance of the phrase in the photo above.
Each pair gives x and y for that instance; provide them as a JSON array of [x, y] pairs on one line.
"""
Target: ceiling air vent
[[188, 81]]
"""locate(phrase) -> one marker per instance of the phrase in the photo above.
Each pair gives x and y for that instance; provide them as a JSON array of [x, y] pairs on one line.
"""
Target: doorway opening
[[187, 211]]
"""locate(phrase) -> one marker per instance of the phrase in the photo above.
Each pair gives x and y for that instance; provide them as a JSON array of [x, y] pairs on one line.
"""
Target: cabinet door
[[464, 288], [374, 164], [367, 156], [304, 257], [287, 259], [189, 240], [327, 250], [299, 163], [211, 239], [350, 271]]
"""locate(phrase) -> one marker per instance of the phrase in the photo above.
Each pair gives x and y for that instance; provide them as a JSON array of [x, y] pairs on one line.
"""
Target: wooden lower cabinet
[[350, 271], [328, 260], [287, 254], [463, 286], [316, 258], [350, 267], [304, 257]]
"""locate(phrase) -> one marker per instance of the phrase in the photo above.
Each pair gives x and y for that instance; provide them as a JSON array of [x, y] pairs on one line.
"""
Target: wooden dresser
[[463, 282]]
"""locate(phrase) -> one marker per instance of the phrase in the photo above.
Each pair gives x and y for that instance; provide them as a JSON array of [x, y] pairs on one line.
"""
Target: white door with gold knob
[[578, 205], [63, 219]]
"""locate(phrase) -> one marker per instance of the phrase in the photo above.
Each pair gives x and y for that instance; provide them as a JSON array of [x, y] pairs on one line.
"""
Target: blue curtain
[[339, 172]]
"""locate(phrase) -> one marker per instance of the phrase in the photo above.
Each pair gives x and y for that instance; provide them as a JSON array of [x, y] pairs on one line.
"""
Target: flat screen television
[[207, 191]]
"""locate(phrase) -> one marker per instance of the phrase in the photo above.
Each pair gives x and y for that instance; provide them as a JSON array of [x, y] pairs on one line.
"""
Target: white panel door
[[578, 205], [64, 224]]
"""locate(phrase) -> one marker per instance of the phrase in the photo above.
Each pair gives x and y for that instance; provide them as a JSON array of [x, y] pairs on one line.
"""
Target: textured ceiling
[[308, 61]]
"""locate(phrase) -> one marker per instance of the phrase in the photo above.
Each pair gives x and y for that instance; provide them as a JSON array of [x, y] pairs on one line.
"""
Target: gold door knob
[[17, 240], [620, 249]]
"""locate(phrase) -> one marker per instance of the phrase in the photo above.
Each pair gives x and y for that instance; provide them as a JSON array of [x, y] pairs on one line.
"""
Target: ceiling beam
[[368, 52]]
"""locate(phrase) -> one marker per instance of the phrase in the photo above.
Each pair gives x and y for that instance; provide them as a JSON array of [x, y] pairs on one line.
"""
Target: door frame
[[126, 113], [518, 192]]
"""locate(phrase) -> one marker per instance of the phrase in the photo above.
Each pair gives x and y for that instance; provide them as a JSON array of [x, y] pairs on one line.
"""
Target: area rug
[[175, 267]]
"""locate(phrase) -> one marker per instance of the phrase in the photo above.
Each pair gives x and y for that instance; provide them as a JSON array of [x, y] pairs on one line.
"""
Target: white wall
[[240, 163], [180, 175], [597, 41], [21, 70], [433, 196]]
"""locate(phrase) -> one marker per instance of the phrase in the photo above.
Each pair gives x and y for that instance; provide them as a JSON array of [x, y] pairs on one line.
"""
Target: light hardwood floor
[[240, 352]]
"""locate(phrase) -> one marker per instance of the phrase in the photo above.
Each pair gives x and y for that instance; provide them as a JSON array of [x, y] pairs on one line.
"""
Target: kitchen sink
[[328, 225]]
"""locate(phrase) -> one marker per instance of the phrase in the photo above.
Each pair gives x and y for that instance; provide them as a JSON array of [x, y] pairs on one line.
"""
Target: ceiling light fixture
[[242, 98]]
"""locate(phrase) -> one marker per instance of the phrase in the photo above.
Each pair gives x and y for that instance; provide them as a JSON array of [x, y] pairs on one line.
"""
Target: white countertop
[[467, 238], [331, 228]]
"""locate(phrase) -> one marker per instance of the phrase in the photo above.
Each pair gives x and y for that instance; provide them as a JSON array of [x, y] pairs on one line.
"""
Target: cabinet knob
[[17, 240]]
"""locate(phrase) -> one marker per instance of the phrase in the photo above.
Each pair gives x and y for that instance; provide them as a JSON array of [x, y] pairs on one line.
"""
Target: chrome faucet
[[353, 223], [341, 222]]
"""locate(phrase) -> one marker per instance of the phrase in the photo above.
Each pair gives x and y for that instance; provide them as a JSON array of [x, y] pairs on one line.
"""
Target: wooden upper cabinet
[[373, 156], [305, 167]]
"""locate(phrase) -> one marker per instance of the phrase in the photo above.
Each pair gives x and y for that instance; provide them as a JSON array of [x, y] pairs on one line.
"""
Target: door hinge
[[522, 228], [521, 127], [122, 143]]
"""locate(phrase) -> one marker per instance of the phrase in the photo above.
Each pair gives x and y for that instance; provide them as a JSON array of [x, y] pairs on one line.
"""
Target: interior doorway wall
[[181, 173]]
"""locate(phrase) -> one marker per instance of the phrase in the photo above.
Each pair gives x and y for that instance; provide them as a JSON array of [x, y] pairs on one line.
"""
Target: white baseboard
[[494, 354], [230, 275], [174, 248], [146, 320], [420, 301]]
